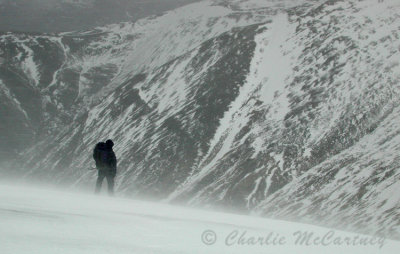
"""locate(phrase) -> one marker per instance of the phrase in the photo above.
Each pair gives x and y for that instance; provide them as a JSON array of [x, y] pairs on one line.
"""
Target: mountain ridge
[[237, 104]]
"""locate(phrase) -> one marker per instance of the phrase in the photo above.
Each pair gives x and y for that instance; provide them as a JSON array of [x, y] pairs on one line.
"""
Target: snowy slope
[[48, 221], [286, 108], [357, 188]]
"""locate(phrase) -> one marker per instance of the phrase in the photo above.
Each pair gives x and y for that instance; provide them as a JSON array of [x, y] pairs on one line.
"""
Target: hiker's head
[[109, 143]]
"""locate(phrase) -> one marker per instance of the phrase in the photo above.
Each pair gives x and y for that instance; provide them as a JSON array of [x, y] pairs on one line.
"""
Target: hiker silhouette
[[106, 164]]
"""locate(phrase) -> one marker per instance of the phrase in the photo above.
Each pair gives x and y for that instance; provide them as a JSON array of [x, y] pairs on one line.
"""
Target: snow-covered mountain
[[285, 108]]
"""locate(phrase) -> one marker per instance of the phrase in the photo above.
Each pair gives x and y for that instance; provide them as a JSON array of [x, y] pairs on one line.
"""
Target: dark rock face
[[286, 109]]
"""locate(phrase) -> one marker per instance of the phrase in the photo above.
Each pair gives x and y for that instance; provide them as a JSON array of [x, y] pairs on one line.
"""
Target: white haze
[[45, 221]]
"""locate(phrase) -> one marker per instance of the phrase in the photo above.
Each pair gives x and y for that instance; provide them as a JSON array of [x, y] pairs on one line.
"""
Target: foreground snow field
[[43, 221]]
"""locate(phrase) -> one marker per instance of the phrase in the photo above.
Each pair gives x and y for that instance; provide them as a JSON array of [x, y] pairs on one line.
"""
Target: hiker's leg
[[99, 182], [110, 181]]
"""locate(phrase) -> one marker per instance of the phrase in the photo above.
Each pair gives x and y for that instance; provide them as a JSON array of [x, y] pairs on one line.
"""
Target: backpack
[[98, 156], [105, 157]]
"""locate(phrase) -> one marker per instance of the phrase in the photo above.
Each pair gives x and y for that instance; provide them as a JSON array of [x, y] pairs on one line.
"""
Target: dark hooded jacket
[[105, 158]]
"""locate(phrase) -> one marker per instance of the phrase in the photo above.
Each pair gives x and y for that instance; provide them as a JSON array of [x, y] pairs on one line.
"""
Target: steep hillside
[[287, 108]]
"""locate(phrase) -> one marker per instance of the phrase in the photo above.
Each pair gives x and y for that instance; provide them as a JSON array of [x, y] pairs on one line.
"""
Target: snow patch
[[29, 66]]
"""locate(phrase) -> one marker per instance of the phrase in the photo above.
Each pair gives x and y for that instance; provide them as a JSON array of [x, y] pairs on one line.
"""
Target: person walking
[[106, 164]]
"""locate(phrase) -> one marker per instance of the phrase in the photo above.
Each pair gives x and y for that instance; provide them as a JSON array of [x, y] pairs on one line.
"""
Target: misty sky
[[70, 15]]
